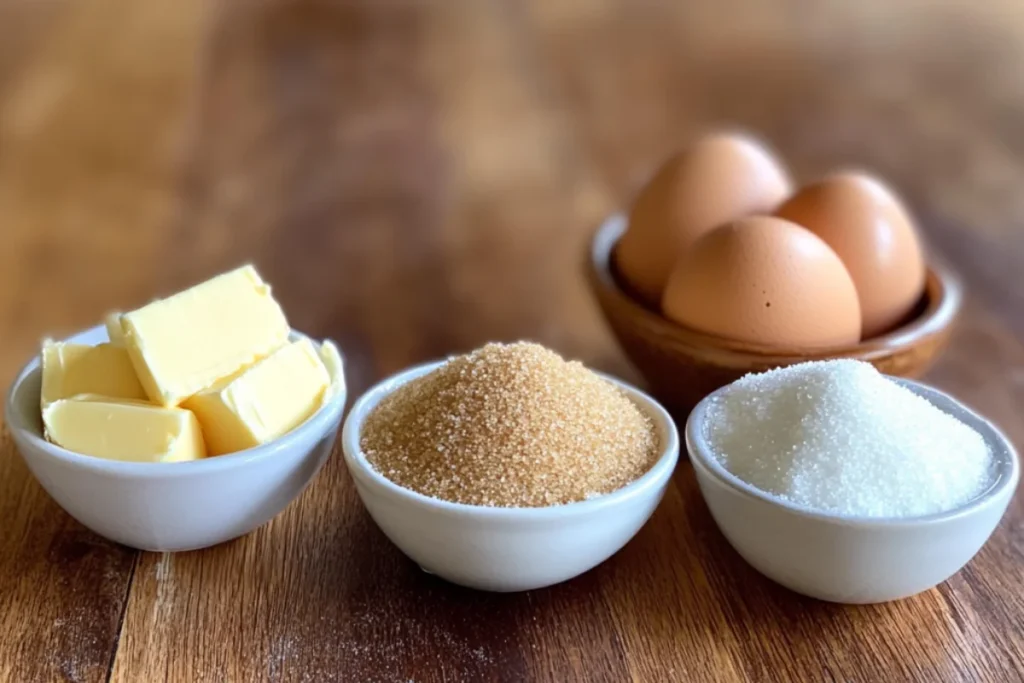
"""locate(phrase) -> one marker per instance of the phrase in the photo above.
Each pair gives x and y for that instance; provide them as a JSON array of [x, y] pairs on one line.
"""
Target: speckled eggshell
[[867, 226], [720, 178], [768, 282]]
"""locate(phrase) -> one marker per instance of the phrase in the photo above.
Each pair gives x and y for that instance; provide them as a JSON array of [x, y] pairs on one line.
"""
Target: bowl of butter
[[182, 424]]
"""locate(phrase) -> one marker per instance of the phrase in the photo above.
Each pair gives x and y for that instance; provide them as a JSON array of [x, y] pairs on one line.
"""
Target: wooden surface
[[418, 178]]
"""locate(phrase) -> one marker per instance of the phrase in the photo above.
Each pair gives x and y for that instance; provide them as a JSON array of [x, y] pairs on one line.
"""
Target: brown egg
[[765, 281], [719, 179], [867, 226]]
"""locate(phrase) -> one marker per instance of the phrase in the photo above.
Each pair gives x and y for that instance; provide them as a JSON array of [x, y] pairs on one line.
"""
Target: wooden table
[[416, 179]]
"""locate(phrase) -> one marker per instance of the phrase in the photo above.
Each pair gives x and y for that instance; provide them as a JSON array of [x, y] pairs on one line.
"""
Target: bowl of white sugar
[[846, 485]]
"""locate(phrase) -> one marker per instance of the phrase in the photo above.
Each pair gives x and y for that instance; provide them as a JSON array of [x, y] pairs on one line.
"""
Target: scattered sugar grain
[[510, 425], [839, 437]]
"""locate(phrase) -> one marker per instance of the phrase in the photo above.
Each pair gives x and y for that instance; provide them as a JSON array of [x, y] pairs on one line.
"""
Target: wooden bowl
[[683, 365]]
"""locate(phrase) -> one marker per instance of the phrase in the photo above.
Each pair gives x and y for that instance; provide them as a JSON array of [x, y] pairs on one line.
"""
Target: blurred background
[[418, 177]]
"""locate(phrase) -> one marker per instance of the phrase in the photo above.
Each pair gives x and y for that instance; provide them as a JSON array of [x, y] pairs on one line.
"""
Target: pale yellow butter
[[124, 430], [114, 330], [264, 401], [184, 343], [70, 369], [331, 358]]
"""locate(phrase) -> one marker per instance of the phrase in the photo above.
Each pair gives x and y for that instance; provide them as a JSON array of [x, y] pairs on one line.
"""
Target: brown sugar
[[510, 425]]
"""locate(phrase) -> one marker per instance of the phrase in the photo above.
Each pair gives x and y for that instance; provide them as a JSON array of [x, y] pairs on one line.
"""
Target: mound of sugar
[[510, 425], [839, 437]]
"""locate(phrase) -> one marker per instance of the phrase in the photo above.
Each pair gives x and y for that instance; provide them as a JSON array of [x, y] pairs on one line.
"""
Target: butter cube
[[124, 430], [70, 369], [331, 358], [184, 343], [114, 330], [263, 402]]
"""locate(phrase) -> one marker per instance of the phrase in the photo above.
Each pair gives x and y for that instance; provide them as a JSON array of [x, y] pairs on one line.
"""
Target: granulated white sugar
[[839, 437]]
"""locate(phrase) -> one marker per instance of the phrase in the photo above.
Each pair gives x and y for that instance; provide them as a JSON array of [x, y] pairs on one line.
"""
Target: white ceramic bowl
[[171, 506], [849, 559], [506, 549]]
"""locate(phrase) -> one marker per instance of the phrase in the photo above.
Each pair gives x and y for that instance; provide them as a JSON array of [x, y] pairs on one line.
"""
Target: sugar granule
[[510, 425], [839, 437]]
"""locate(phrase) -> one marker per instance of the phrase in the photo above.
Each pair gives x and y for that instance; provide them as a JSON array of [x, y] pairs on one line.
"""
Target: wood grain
[[86, 170], [418, 178]]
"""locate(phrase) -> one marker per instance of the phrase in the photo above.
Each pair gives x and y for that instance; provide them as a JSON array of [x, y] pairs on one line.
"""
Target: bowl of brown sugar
[[509, 468]]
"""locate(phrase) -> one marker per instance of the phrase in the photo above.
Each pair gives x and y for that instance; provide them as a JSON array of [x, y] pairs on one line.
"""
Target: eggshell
[[765, 281], [720, 178], [868, 227]]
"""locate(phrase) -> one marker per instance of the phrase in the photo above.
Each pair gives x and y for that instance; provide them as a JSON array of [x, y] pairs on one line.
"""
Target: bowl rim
[[318, 423], [647, 484], [1006, 476], [937, 317]]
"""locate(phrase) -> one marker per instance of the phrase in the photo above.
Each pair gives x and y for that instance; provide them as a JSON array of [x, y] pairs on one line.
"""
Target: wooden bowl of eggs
[[721, 268]]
